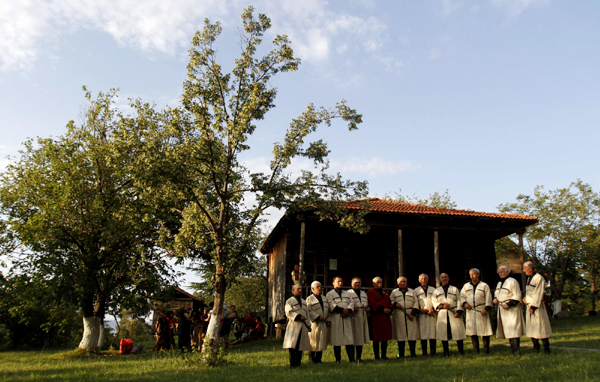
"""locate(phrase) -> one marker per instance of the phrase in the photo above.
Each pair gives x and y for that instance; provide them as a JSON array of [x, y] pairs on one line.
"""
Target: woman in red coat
[[381, 307]]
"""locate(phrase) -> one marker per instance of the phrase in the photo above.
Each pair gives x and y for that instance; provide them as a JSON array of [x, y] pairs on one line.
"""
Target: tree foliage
[[197, 157], [559, 242], [435, 199], [75, 215]]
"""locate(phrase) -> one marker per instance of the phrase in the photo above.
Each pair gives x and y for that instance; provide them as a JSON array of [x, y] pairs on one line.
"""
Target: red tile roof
[[380, 205]]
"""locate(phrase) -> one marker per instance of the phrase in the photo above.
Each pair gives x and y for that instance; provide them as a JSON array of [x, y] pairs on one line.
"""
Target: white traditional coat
[[426, 322], [537, 324], [479, 298], [341, 328], [318, 335], [360, 325], [295, 328], [403, 328], [444, 316], [510, 321]]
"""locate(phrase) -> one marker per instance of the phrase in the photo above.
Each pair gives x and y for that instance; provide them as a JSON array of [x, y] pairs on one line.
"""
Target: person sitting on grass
[[239, 328], [259, 330]]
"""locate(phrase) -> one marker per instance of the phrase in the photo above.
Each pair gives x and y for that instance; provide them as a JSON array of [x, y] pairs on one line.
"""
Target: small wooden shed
[[404, 240]]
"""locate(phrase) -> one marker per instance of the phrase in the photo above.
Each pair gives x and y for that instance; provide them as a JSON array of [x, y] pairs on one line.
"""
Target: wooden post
[[400, 255], [302, 246], [436, 257], [522, 257]]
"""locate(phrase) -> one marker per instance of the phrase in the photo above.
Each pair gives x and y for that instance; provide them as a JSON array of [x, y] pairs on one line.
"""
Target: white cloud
[[30, 29], [516, 7], [374, 166]]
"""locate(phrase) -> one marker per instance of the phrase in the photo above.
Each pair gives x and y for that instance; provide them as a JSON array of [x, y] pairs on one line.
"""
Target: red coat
[[381, 323]]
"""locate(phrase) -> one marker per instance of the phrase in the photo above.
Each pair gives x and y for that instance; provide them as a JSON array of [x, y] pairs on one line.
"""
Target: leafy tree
[[554, 244], [80, 221], [436, 199], [198, 158], [33, 315]]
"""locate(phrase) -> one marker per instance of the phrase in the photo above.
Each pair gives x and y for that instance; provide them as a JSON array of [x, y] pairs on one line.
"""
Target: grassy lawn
[[265, 361]]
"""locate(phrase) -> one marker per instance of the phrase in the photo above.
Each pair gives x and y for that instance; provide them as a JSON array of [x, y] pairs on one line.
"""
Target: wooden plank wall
[[277, 277]]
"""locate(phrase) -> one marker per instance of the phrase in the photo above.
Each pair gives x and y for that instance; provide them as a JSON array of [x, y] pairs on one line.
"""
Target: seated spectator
[[239, 328], [259, 329]]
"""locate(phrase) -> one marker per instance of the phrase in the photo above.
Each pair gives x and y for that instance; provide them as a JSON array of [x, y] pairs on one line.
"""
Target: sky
[[486, 99]]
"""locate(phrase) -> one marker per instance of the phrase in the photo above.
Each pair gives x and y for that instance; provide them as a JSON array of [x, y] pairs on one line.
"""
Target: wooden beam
[[522, 257], [400, 255], [436, 257], [302, 247]]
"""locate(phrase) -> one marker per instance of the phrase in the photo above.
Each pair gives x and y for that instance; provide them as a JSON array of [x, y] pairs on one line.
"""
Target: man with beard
[[537, 323], [296, 334], [510, 316], [405, 326], [341, 307], [446, 300], [360, 325], [318, 309], [381, 307], [427, 316], [477, 301]]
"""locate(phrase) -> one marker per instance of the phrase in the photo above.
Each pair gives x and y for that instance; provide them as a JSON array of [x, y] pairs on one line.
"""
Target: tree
[[199, 158], [554, 244], [80, 221], [435, 199]]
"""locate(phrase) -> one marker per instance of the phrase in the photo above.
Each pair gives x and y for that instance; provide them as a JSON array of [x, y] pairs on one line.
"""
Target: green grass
[[265, 361]]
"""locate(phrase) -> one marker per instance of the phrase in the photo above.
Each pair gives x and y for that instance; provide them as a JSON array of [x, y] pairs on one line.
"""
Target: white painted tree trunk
[[91, 333], [101, 336], [557, 306], [212, 332]]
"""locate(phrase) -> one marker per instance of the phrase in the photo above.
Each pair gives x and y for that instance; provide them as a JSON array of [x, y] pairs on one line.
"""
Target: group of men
[[425, 313]]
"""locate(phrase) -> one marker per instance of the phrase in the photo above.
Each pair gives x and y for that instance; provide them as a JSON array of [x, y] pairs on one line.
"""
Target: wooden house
[[404, 240]]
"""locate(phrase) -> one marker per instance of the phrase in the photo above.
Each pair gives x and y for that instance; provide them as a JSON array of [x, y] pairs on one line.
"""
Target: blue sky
[[484, 98]]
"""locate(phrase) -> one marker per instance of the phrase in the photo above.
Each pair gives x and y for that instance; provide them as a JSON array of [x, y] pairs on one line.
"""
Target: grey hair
[[475, 270], [377, 278], [529, 265], [424, 275], [505, 267], [314, 284]]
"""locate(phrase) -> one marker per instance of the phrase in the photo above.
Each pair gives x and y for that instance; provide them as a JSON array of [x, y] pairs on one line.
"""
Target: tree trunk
[[91, 333], [594, 287], [212, 346], [101, 335]]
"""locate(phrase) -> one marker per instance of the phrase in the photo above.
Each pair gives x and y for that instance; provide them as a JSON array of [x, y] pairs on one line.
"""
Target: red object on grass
[[125, 346]]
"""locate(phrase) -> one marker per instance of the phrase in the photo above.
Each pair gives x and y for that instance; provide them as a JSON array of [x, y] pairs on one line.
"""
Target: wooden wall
[[277, 280]]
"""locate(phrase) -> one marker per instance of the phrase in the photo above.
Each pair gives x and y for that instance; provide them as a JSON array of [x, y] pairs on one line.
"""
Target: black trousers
[[296, 354], [383, 349], [432, 346]]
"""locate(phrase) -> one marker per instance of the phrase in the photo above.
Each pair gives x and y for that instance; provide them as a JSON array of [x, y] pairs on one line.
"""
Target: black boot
[[298, 357], [292, 358], [424, 347], [546, 343], [433, 347], [446, 348], [518, 345], [486, 344], [475, 342], [384, 350], [337, 353], [536, 345], [318, 356], [515, 346], [376, 349], [412, 345], [350, 352], [460, 346], [400, 349], [311, 357], [359, 354]]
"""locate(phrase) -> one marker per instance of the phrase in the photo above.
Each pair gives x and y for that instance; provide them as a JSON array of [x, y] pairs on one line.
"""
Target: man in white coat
[[427, 315], [477, 301], [537, 322], [298, 326], [360, 325], [318, 309], [341, 306], [404, 322], [510, 315], [446, 300]]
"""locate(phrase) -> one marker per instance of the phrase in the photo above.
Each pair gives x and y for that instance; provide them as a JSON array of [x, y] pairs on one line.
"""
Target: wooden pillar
[[400, 255], [302, 247], [522, 258], [436, 257]]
